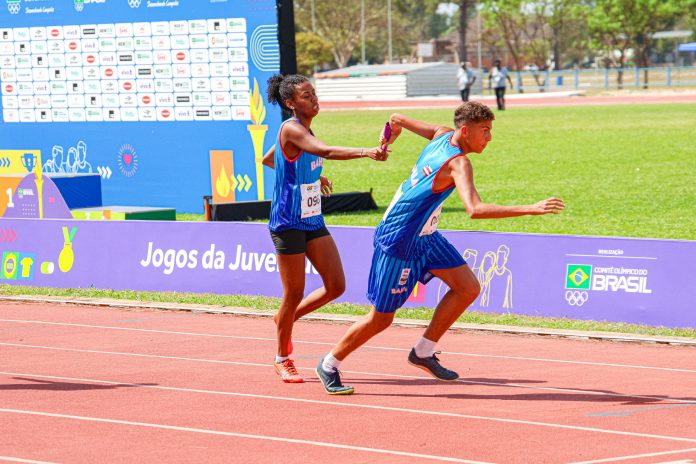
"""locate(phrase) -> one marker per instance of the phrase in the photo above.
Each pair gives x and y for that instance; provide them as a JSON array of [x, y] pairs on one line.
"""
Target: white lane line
[[637, 456], [385, 348], [367, 406], [375, 374], [240, 435], [27, 461]]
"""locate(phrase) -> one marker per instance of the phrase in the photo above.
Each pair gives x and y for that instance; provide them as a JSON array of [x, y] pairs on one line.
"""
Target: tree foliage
[[312, 52], [540, 31], [537, 32], [339, 23], [622, 25]]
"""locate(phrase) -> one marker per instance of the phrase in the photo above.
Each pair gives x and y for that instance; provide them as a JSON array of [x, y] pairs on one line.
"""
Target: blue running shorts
[[392, 279]]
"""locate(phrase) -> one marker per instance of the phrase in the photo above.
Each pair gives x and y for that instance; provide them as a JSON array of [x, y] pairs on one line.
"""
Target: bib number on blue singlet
[[311, 199]]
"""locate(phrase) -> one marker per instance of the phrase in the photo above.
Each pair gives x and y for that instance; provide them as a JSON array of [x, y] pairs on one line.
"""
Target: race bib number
[[311, 199], [430, 225]]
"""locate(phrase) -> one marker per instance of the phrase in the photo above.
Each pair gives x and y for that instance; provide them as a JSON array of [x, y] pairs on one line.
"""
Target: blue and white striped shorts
[[392, 279]]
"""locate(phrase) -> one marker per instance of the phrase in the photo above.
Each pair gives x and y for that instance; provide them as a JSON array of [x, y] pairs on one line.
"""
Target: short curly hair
[[472, 112]]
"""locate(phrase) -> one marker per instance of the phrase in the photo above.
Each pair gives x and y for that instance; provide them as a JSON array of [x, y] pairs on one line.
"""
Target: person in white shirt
[[497, 78], [465, 79]]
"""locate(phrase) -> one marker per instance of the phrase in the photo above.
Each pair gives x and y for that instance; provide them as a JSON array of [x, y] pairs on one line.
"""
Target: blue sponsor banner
[[141, 92], [641, 281]]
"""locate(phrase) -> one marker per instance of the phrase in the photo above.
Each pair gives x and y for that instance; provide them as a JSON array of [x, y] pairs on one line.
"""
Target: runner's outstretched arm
[[300, 139], [463, 176]]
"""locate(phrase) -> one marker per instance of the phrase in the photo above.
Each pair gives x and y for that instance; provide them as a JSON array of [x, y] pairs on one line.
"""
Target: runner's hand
[[376, 153], [326, 186], [551, 205], [395, 132]]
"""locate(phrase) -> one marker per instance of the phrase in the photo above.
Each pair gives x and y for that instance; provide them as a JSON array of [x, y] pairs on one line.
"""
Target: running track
[[516, 100], [81, 384]]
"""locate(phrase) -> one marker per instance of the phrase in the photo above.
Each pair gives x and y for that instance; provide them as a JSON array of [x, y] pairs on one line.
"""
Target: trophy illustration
[[29, 161]]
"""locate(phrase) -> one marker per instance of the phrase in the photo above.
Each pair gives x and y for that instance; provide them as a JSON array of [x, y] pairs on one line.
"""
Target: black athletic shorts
[[293, 241]]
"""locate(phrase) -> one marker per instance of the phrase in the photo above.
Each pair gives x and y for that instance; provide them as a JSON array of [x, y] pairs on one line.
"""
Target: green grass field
[[622, 170]]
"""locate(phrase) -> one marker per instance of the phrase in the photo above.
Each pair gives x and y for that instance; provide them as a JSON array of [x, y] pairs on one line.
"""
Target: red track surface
[[85, 385], [513, 101]]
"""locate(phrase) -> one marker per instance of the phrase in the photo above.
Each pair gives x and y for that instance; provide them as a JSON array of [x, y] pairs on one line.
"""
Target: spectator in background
[[465, 79], [496, 79]]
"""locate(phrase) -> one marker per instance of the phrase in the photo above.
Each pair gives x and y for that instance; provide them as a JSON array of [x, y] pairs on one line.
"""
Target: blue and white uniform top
[[296, 202], [414, 213]]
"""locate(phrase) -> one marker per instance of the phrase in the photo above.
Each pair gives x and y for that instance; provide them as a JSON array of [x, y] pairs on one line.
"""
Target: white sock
[[330, 363], [280, 359], [425, 348]]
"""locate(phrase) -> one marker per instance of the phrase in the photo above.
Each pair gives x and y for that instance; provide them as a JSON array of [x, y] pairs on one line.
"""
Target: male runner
[[408, 247]]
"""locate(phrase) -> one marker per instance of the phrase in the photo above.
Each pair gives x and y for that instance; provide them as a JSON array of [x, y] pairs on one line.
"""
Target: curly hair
[[282, 88], [472, 112]]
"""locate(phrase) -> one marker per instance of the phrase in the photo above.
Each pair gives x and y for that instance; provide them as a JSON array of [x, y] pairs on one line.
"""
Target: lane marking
[[636, 456], [628, 412], [385, 348], [240, 435], [28, 461], [368, 406], [376, 374]]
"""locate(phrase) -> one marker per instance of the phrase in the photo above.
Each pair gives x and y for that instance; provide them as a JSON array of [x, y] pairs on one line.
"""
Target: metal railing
[[602, 79]]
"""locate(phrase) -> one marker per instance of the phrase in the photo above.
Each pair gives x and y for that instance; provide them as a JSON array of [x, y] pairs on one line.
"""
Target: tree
[[312, 51], [465, 11], [608, 23], [339, 23], [622, 24], [421, 18], [507, 18]]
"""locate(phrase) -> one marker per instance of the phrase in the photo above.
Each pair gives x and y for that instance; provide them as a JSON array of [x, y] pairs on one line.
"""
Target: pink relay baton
[[387, 135]]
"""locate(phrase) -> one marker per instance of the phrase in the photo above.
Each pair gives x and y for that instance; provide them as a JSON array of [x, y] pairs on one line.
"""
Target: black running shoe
[[332, 381], [432, 366]]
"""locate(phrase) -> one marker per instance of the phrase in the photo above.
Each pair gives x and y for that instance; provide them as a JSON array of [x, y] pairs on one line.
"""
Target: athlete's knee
[[380, 321], [293, 296], [335, 286], [467, 289], [473, 288]]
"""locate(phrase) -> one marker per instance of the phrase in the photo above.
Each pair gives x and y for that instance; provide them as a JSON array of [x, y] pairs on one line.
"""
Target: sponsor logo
[[584, 278], [396, 291], [79, 5], [134, 3], [405, 272], [317, 164], [14, 6]]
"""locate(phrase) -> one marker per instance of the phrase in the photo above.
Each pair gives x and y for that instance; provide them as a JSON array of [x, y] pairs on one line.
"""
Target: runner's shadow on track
[[429, 381], [38, 384], [571, 395]]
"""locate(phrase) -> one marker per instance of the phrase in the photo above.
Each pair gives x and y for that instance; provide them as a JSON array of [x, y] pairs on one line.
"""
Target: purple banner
[[640, 281]]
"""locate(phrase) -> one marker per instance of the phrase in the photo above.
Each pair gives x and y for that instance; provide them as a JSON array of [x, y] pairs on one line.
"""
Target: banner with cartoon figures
[[641, 281], [142, 93]]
